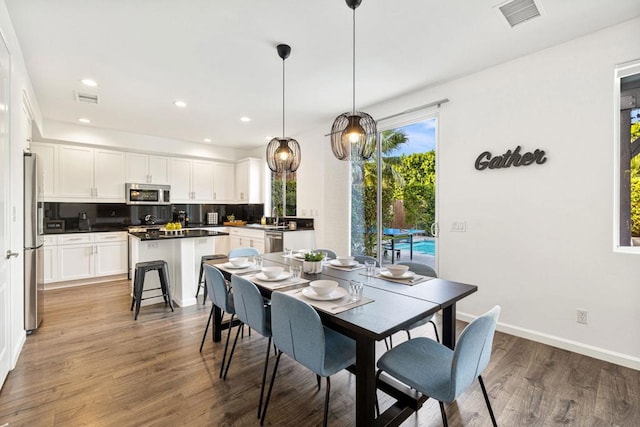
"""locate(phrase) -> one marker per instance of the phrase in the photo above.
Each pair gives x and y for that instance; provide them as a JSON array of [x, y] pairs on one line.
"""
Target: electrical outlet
[[460, 226], [581, 316]]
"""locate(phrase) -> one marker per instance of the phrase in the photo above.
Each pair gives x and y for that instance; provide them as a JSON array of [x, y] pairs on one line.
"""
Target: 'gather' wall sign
[[510, 158]]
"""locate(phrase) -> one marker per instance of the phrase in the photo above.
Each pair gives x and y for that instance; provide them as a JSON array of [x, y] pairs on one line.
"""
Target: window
[[628, 147], [286, 186]]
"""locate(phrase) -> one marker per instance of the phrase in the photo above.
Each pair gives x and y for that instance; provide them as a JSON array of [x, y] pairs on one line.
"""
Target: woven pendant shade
[[283, 155]]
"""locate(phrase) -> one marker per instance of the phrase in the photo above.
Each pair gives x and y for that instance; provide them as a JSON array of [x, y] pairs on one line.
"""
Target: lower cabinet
[[243, 238], [84, 255]]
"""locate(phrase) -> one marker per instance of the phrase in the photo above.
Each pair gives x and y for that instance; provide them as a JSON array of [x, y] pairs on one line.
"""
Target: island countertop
[[183, 234]]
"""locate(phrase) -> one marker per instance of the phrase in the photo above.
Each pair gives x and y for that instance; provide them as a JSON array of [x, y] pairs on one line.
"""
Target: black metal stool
[[201, 276], [138, 283]]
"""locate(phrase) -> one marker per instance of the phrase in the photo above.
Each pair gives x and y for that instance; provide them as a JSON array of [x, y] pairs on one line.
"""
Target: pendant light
[[353, 134], [283, 154]]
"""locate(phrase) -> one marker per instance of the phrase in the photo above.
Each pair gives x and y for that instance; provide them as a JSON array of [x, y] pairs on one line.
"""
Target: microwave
[[147, 194]]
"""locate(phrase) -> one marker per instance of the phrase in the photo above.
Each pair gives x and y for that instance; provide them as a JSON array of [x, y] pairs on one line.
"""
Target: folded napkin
[[239, 271], [333, 307], [347, 268], [408, 281], [281, 284]]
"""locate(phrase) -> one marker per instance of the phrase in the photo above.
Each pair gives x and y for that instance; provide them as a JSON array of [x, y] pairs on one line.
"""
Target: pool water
[[427, 247]]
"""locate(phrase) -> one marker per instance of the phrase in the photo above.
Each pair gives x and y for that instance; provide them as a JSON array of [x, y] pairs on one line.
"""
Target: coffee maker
[[181, 217], [83, 221]]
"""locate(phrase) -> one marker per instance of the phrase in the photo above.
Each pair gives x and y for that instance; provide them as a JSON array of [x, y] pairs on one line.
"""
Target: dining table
[[388, 306]]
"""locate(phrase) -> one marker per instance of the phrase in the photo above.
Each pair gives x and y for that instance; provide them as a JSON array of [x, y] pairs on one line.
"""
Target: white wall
[[539, 239]]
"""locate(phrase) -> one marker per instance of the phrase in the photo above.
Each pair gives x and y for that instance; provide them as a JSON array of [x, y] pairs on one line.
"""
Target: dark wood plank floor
[[91, 364]]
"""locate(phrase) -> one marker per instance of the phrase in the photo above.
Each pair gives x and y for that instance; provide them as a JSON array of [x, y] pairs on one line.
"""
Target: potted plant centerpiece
[[312, 263]]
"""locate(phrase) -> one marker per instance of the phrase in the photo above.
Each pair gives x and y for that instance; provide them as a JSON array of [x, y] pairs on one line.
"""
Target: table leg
[[393, 250], [411, 246], [365, 382], [449, 326], [217, 324]]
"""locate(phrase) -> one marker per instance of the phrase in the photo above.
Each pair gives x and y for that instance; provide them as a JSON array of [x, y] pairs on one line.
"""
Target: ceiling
[[220, 57]]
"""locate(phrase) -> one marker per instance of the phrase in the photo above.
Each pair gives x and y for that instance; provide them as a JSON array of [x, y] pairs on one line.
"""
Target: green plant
[[313, 256]]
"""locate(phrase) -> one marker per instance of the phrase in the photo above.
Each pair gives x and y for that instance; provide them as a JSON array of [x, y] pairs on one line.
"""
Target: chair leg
[[326, 403], [318, 380], [444, 415], [435, 329], [273, 377], [264, 376], [486, 399], [226, 346], [408, 334], [199, 280], [386, 344], [204, 336]]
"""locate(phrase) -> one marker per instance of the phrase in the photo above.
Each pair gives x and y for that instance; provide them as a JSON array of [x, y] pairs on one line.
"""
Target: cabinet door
[[50, 254], [48, 154], [257, 243], [254, 181], [235, 242], [158, 170], [221, 245], [110, 175], [242, 181], [75, 261], [111, 258], [180, 175], [76, 172], [223, 182], [137, 168], [202, 181]]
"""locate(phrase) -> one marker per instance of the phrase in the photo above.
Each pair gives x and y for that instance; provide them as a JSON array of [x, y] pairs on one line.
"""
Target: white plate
[[336, 294], [406, 275], [282, 276], [299, 256], [229, 265], [338, 264]]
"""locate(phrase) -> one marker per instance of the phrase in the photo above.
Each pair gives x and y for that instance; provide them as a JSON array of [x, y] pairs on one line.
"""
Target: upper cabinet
[[48, 154], [223, 182], [191, 181], [147, 169], [249, 181]]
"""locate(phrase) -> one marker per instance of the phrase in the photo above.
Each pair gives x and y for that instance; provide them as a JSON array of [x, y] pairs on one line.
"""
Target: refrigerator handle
[[10, 254]]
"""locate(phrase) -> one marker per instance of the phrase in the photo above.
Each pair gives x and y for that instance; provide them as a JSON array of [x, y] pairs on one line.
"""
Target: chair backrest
[[243, 252], [298, 331], [419, 268], [362, 258], [473, 351], [330, 253], [249, 306], [217, 289]]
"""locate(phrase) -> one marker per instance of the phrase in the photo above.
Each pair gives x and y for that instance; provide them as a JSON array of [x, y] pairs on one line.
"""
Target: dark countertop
[[184, 234]]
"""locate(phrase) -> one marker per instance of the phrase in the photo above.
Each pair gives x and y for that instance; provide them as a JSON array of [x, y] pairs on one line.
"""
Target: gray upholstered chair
[[329, 252], [299, 333], [252, 311], [220, 297], [439, 372], [243, 252], [362, 258], [423, 270]]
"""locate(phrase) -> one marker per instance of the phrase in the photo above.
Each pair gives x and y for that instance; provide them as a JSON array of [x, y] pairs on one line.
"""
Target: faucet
[[274, 214]]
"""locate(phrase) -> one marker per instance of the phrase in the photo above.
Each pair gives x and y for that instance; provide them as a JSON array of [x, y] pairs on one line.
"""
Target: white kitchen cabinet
[[109, 175], [147, 169], [76, 172], [48, 154], [249, 181], [191, 181], [50, 254], [223, 182], [244, 238]]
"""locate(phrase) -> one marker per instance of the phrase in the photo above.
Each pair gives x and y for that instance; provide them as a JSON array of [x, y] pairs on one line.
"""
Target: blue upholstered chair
[[298, 332], [220, 297], [243, 252], [423, 270], [251, 310], [329, 252], [439, 372], [362, 258]]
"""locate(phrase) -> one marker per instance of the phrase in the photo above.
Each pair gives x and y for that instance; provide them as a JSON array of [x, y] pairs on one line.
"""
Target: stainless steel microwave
[[148, 194]]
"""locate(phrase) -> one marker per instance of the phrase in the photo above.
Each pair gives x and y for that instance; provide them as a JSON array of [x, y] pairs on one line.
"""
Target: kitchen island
[[182, 251]]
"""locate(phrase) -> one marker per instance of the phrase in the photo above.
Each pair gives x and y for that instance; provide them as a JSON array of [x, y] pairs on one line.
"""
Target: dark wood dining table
[[394, 307]]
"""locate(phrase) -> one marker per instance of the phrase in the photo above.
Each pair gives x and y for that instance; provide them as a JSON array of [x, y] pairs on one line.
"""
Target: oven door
[[273, 241]]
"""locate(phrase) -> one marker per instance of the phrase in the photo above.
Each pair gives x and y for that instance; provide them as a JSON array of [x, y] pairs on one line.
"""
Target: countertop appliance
[[33, 243], [212, 218], [54, 226], [147, 194], [273, 241]]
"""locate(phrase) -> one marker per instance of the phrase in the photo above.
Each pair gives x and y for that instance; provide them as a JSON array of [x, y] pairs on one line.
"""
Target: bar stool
[[221, 258], [141, 270]]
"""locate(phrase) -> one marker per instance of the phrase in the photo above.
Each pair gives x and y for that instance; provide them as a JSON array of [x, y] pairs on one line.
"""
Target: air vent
[[518, 11], [87, 97]]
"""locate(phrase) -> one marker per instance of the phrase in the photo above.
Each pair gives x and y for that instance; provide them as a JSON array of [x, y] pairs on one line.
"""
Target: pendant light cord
[[354, 61], [283, 98]]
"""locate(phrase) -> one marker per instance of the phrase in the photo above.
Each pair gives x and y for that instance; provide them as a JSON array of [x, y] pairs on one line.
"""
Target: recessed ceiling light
[[207, 140], [89, 82], [180, 104], [245, 119], [84, 120]]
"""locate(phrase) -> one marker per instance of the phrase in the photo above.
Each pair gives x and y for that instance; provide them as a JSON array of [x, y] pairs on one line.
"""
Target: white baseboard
[[83, 282], [564, 344], [16, 349]]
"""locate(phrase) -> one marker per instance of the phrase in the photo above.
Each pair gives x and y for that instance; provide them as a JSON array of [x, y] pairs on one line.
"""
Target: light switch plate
[[459, 226]]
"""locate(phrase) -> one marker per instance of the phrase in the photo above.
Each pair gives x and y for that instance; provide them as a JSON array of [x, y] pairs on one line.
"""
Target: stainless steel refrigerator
[[33, 243]]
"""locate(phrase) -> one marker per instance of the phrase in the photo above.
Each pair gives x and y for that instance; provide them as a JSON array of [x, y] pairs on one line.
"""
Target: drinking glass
[[370, 267], [296, 271], [287, 252], [355, 290], [257, 261]]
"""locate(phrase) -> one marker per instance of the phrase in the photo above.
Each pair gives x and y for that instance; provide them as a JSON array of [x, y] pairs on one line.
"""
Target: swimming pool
[[427, 247]]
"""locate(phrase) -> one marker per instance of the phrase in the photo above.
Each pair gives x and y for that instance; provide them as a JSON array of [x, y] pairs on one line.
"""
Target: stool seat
[[140, 272], [201, 284]]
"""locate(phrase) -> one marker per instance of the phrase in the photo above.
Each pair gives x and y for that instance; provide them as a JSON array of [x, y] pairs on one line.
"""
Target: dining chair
[[423, 270], [329, 252], [299, 333], [222, 298], [252, 311], [233, 253], [439, 372], [362, 258]]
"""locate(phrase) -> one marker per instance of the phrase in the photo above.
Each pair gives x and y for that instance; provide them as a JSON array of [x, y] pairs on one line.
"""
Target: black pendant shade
[[283, 154], [353, 134]]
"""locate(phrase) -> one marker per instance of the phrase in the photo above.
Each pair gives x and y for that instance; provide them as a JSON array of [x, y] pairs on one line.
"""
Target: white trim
[[564, 344]]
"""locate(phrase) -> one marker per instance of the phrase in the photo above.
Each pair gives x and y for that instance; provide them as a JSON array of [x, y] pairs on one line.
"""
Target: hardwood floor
[[91, 364]]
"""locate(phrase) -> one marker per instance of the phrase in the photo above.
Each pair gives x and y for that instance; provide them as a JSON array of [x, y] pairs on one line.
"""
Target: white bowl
[[344, 260], [239, 261], [272, 272], [303, 251], [323, 287], [397, 270]]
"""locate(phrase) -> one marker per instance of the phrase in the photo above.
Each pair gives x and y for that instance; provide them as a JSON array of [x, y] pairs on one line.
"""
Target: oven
[[147, 194], [273, 241]]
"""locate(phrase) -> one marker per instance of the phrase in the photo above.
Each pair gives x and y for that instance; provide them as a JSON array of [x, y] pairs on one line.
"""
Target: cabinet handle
[[11, 254], [75, 238], [214, 195]]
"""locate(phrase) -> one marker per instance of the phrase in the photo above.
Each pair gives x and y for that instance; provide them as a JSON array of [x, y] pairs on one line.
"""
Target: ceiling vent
[[87, 97], [518, 11]]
